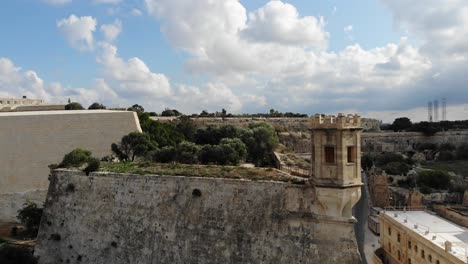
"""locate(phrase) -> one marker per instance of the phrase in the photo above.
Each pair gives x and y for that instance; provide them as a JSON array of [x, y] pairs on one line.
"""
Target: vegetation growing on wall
[[78, 158], [30, 216]]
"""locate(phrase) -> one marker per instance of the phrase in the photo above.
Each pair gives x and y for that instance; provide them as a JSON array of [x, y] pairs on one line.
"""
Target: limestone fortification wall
[[30, 141], [406, 141], [280, 123], [121, 218]]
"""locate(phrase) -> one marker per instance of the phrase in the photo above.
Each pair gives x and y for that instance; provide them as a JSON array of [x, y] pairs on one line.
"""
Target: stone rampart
[[297, 124], [31, 141], [122, 218], [407, 141]]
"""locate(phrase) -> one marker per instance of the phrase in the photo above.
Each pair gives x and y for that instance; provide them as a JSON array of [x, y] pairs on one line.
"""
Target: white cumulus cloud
[[280, 22], [57, 2], [78, 31], [112, 31]]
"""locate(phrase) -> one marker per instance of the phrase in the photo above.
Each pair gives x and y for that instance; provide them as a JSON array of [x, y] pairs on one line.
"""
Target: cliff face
[[121, 218]]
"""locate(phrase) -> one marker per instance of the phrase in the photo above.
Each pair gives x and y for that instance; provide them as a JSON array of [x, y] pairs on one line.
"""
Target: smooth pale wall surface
[[30, 141]]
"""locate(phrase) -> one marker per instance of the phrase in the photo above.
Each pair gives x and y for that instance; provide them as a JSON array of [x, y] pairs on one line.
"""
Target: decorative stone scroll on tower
[[336, 163]]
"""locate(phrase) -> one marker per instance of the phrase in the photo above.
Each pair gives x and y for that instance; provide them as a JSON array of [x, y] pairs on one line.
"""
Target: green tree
[[187, 152], [74, 106], [96, 106], [397, 168], [209, 154], [402, 123], [186, 126], [383, 159], [239, 147], [204, 113], [367, 161], [446, 155], [164, 134], [136, 108], [133, 145], [30, 216], [261, 140], [435, 179], [428, 129], [165, 154], [170, 112], [214, 134]]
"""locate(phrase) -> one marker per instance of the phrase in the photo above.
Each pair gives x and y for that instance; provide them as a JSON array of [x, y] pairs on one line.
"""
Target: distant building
[[415, 237], [25, 104]]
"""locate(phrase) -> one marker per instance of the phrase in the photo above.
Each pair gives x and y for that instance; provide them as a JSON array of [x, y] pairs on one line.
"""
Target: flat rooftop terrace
[[207, 171], [428, 226]]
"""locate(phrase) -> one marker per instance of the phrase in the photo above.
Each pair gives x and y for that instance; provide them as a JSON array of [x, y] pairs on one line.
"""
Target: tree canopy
[[133, 145], [96, 106], [74, 106]]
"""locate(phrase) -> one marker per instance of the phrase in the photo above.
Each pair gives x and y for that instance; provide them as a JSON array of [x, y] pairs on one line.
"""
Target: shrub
[[408, 183], [426, 146], [435, 179], [30, 216], [397, 168], [76, 158], [462, 151], [74, 106], [446, 155], [425, 190], [447, 147], [93, 165], [383, 159]]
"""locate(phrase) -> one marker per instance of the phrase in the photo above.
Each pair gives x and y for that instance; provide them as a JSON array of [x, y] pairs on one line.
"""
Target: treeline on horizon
[[428, 128], [174, 112]]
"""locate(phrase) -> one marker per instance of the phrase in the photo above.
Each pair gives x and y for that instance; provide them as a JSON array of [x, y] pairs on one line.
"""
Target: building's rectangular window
[[329, 154], [351, 154], [1, 102]]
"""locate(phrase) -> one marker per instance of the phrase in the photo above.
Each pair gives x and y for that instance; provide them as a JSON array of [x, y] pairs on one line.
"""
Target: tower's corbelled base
[[115, 218]]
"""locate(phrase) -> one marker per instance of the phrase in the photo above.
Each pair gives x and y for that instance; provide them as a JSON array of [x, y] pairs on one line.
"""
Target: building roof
[[59, 112], [434, 229]]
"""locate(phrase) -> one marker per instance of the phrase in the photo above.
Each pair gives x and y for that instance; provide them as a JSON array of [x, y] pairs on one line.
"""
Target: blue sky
[[382, 58]]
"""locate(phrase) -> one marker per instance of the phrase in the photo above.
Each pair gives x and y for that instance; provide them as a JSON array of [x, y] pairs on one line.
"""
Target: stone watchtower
[[336, 163]]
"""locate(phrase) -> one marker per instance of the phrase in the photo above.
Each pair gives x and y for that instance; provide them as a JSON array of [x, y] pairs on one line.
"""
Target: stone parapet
[[336, 122]]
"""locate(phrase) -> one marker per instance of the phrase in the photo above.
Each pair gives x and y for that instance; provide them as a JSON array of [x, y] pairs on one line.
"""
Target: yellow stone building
[[414, 237]]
